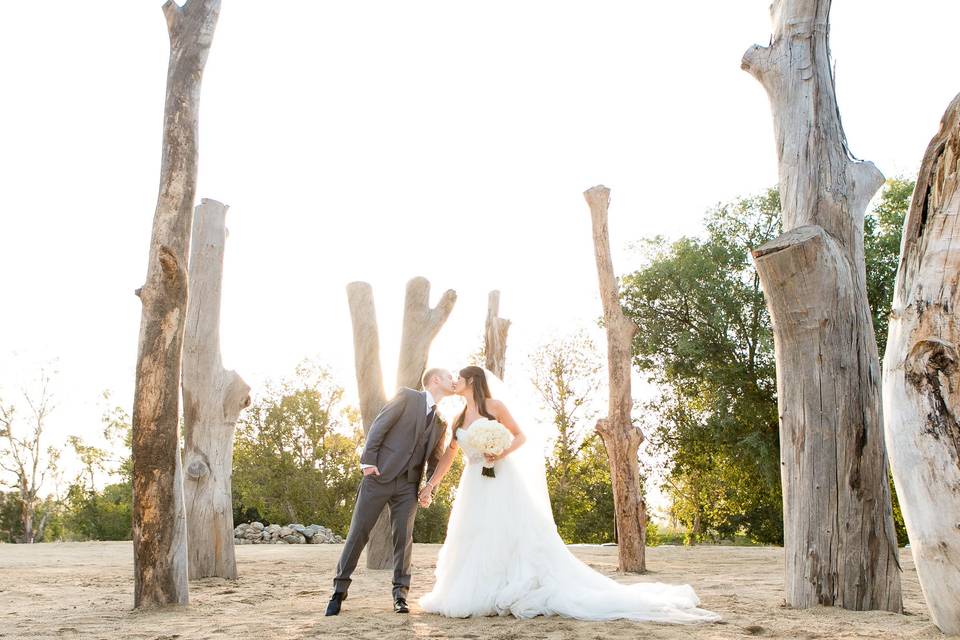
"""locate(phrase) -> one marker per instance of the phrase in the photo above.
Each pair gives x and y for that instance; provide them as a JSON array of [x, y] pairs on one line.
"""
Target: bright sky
[[376, 140]]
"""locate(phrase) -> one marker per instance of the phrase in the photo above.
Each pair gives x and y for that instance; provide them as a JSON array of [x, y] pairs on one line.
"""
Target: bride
[[502, 553]]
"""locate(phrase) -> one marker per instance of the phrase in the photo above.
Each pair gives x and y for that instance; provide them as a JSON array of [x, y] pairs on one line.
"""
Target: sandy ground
[[84, 590]]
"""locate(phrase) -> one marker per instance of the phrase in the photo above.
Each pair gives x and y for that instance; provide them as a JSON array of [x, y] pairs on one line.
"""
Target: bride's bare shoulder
[[498, 408], [495, 406]]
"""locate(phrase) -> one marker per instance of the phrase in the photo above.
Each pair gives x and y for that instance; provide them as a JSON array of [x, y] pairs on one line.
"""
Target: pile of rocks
[[257, 533]]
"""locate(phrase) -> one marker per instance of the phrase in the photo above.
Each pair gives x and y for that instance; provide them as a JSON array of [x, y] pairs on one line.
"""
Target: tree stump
[[921, 380], [621, 437], [839, 539], [159, 531], [212, 401]]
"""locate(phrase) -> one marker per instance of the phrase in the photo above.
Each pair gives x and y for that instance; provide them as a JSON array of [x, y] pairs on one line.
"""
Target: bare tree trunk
[[28, 507], [366, 347], [212, 401], [25, 455], [159, 531], [41, 528], [921, 379], [839, 538], [495, 336], [620, 437], [421, 324]]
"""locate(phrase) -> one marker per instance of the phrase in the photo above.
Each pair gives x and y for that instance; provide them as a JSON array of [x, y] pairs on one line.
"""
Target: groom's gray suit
[[400, 441]]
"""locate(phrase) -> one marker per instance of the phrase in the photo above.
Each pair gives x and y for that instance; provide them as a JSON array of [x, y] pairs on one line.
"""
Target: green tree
[[705, 340], [296, 452], [89, 513], [566, 373], [883, 228]]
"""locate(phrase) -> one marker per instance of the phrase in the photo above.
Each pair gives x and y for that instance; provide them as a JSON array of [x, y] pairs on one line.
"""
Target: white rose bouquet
[[488, 437]]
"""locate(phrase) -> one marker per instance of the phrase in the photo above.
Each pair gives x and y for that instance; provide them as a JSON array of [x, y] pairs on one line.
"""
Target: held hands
[[425, 497], [369, 471], [491, 458]]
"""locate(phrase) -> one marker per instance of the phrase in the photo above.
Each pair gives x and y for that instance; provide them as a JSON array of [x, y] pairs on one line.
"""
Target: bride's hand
[[493, 457], [425, 497]]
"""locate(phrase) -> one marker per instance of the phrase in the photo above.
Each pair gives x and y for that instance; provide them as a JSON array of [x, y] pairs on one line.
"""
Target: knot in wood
[[930, 356], [198, 469]]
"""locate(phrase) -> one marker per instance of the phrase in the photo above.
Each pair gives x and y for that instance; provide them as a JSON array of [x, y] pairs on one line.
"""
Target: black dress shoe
[[400, 606], [333, 607]]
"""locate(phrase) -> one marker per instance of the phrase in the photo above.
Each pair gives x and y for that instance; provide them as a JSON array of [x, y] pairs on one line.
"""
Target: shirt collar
[[430, 400]]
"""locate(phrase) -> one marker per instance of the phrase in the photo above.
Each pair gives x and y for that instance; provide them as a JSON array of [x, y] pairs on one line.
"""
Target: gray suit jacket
[[397, 433]]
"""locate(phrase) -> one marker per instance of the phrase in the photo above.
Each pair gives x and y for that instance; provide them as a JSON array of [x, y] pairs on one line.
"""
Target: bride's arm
[[446, 461], [502, 414]]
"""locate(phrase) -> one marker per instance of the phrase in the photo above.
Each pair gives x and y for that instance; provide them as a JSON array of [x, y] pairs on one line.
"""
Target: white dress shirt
[[430, 404]]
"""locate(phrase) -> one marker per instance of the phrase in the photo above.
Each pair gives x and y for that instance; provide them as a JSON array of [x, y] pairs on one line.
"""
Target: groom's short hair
[[429, 373]]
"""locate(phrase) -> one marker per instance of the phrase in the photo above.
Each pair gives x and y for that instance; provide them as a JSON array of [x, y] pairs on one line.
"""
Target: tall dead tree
[[212, 401], [921, 377], [159, 531], [495, 336], [23, 465], [621, 437], [839, 538], [420, 326]]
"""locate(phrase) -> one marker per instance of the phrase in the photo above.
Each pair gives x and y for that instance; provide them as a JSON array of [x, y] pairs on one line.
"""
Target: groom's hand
[[369, 471], [425, 496]]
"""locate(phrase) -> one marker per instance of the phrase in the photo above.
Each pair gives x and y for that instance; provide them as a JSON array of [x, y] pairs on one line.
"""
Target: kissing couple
[[502, 554]]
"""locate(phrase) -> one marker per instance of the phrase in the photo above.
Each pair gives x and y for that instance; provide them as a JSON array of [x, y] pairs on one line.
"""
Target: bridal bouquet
[[488, 436]]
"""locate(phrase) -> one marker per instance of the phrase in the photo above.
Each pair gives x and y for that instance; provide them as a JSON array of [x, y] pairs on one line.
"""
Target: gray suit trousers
[[401, 495]]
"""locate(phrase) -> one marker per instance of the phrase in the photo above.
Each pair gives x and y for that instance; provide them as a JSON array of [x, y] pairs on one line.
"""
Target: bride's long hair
[[476, 379]]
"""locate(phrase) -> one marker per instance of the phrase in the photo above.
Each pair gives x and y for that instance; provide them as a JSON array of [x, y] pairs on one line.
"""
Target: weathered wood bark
[[921, 379], [159, 532], [420, 326], [621, 437], [495, 336], [212, 401], [839, 539]]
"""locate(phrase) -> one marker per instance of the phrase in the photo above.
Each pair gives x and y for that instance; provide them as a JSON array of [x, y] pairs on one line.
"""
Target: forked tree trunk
[[420, 325], [212, 401], [921, 379], [839, 538], [621, 437], [495, 336], [159, 531]]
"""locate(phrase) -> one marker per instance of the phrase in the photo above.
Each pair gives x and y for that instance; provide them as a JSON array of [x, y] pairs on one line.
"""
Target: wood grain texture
[[839, 539], [621, 437], [159, 528], [495, 336], [921, 379], [213, 398]]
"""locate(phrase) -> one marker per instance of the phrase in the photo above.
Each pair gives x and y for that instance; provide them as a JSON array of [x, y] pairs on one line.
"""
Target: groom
[[401, 439]]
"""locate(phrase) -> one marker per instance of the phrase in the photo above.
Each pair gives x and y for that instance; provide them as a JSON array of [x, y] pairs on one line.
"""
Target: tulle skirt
[[503, 556]]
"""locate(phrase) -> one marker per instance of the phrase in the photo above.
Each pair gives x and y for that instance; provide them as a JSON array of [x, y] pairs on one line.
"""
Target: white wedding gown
[[503, 555]]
